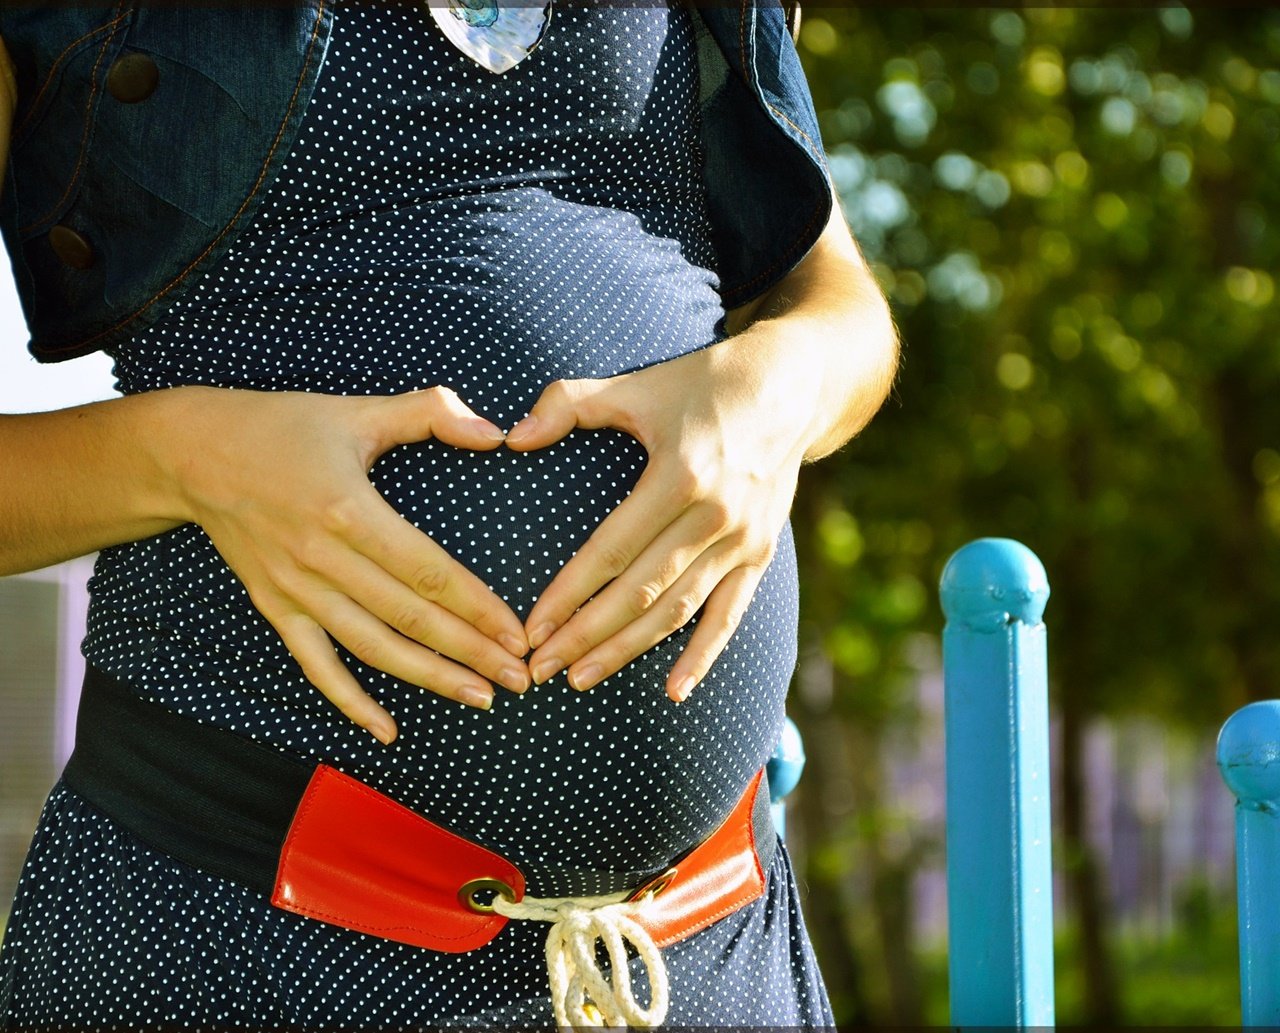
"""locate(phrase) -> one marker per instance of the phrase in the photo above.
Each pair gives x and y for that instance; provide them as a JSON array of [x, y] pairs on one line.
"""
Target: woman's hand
[[700, 526], [726, 428], [279, 482]]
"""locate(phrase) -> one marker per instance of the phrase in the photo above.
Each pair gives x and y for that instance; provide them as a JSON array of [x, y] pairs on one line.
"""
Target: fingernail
[[546, 668], [489, 430], [586, 677], [515, 679], [383, 731], [475, 696], [513, 645], [540, 634], [522, 429], [680, 691]]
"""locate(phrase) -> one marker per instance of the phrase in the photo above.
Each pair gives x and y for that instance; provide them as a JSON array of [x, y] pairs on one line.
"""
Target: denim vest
[[129, 177]]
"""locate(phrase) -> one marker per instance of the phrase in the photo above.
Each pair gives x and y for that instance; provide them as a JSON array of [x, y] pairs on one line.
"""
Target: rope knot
[[582, 996]]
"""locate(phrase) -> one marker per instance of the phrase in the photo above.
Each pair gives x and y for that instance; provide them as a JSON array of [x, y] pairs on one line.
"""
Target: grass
[[1190, 978]]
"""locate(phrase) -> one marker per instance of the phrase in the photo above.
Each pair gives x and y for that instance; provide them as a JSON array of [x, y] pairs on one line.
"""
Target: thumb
[[436, 412], [564, 405]]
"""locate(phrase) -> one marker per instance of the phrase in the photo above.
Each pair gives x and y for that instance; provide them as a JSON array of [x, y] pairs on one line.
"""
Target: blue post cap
[[784, 767], [1249, 752], [992, 581]]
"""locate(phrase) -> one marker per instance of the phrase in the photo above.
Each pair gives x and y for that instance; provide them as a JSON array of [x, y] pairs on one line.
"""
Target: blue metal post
[[783, 771], [1249, 759], [999, 878]]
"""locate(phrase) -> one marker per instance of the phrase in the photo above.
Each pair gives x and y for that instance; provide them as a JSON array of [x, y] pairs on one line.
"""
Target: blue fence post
[[783, 771], [999, 876], [1249, 759]]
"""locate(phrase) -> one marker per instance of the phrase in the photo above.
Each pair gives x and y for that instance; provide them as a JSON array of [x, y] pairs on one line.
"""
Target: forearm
[[823, 342], [77, 480]]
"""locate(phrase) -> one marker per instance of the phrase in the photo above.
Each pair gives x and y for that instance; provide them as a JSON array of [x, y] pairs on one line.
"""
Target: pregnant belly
[[620, 771], [616, 778]]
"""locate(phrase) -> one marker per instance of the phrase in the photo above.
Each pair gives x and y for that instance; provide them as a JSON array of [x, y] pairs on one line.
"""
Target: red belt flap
[[718, 876], [356, 858]]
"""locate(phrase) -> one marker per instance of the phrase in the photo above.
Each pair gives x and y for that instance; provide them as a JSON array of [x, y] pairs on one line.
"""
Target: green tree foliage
[[1074, 213]]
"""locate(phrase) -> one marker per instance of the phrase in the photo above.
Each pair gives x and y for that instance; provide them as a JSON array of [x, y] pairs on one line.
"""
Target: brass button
[[71, 247], [132, 78]]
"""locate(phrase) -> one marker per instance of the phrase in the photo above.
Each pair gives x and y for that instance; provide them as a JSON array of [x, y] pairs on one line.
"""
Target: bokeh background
[[1074, 214]]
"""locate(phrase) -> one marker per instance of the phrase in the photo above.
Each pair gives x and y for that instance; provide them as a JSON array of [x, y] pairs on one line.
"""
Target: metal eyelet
[[655, 885], [466, 895]]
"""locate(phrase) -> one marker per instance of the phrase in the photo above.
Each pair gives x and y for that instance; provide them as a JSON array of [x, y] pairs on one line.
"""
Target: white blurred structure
[[42, 620], [41, 613], [29, 386]]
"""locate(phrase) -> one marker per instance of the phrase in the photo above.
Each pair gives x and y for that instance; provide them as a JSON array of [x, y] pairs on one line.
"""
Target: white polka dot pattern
[[437, 224]]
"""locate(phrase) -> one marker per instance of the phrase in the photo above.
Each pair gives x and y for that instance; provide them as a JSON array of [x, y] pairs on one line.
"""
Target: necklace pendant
[[495, 35]]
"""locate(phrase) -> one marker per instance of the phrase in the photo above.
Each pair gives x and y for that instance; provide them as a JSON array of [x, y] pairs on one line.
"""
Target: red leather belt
[[324, 845], [356, 858]]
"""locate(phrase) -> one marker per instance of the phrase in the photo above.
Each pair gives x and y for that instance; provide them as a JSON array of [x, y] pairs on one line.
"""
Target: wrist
[[781, 363], [847, 357], [171, 433]]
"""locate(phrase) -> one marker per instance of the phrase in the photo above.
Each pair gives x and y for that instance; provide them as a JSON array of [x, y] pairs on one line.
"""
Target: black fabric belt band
[[223, 803], [214, 799]]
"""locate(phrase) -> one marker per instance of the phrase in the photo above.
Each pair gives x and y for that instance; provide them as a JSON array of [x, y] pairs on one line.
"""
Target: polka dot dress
[[439, 224]]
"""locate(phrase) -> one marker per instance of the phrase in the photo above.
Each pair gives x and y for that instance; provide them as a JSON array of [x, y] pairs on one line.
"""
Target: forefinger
[[611, 548], [418, 561]]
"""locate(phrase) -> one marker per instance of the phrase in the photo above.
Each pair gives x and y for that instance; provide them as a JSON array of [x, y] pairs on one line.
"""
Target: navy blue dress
[[438, 224]]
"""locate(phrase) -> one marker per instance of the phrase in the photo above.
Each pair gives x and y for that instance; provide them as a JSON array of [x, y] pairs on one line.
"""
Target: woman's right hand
[[279, 482]]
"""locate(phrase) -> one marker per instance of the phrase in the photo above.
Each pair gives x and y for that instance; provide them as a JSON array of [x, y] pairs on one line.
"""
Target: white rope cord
[[581, 996]]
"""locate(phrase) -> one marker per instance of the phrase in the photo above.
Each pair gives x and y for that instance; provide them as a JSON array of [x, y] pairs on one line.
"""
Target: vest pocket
[[61, 85]]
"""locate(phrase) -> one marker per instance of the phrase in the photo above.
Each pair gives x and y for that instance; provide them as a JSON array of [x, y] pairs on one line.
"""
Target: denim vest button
[[71, 247], [132, 78]]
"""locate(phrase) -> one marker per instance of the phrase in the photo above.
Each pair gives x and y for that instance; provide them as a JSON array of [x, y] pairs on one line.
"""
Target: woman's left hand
[[726, 428]]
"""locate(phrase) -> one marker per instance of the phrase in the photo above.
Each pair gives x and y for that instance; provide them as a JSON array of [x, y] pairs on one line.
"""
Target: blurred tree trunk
[[821, 806], [828, 913], [1238, 395], [1246, 547], [1074, 577], [890, 874], [1101, 1000]]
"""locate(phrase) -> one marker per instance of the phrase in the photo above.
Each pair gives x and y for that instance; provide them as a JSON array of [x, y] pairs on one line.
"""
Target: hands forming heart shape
[[279, 482]]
